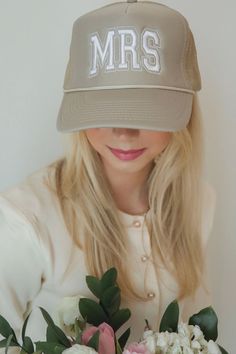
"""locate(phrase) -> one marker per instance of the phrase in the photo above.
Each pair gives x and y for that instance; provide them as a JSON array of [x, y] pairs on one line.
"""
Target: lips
[[127, 155], [127, 151]]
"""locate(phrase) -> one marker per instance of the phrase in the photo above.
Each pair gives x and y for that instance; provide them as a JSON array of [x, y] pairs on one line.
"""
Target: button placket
[[137, 223], [149, 273], [144, 258], [145, 243]]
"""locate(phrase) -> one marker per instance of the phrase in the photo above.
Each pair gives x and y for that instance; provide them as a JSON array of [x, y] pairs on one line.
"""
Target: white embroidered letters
[[135, 51], [97, 49], [146, 36], [125, 33]]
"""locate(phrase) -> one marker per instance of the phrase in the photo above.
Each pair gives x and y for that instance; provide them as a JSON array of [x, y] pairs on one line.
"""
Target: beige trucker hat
[[132, 64]]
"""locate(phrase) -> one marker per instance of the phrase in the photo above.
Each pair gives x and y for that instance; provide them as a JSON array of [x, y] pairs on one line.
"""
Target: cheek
[[166, 137], [93, 135], [161, 139], [96, 138]]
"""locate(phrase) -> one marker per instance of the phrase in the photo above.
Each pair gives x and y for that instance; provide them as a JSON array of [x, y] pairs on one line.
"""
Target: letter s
[[152, 51]]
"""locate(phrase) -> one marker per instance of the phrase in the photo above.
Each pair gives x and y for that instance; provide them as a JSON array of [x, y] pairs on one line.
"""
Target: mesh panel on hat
[[191, 69]]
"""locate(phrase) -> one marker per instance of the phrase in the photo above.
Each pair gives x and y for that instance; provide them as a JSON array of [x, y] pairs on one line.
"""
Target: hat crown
[[132, 44], [132, 64]]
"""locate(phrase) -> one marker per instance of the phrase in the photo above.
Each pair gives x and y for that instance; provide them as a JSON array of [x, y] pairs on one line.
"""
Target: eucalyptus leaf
[[62, 338], [109, 278], [170, 318], [119, 318], [123, 338], [94, 284], [111, 299], [93, 311], [207, 320]]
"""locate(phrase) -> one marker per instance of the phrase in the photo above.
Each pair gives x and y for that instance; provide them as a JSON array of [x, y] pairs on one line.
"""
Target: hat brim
[[138, 108]]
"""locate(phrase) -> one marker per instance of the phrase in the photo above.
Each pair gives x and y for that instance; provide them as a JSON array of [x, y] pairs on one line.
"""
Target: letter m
[[100, 52]]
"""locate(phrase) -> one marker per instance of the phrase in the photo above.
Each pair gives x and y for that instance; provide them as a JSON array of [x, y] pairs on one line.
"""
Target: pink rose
[[136, 348], [106, 338]]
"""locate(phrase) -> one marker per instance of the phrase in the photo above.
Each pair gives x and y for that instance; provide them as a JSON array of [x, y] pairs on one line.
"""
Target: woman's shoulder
[[31, 196], [208, 210]]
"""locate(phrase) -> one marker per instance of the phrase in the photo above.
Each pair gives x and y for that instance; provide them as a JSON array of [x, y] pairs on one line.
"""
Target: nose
[[125, 131]]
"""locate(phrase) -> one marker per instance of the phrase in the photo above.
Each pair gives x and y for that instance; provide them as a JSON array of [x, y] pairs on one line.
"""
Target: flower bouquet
[[95, 324]]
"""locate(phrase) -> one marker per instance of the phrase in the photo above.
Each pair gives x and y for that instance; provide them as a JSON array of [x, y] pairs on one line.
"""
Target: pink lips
[[127, 155]]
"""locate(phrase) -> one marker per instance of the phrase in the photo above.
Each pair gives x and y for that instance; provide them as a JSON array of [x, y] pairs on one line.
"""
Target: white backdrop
[[35, 38]]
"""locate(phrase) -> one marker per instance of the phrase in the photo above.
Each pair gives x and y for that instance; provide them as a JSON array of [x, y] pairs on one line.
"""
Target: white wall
[[35, 38]]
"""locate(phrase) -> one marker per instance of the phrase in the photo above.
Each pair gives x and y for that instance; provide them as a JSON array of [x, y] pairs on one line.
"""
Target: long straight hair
[[175, 188]]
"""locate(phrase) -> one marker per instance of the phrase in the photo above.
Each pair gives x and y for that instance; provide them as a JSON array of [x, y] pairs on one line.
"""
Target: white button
[[151, 295], [144, 258], [136, 223]]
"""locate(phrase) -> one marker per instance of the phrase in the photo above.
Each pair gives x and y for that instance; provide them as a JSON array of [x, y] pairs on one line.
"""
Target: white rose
[[213, 348], [68, 309], [79, 349]]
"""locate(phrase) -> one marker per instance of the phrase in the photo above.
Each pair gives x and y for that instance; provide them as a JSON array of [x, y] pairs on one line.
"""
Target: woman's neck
[[129, 190]]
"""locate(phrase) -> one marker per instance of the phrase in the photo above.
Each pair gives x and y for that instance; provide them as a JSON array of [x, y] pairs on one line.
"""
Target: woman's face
[[103, 139]]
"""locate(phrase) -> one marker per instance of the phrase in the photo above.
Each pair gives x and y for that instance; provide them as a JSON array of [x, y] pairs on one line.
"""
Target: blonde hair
[[174, 219]]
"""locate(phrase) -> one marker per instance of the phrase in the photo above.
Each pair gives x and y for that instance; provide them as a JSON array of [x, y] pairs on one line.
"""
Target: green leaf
[[170, 318], [77, 329], [119, 318], [78, 339], [94, 341], [62, 338], [123, 338], [80, 325], [223, 351], [93, 311], [111, 299], [207, 320], [6, 330], [24, 327], [28, 345], [50, 348], [94, 284], [4, 342], [109, 278], [118, 348], [51, 336], [8, 343]]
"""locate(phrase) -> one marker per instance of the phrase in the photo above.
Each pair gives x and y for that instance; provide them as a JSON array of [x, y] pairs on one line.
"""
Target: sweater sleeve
[[203, 295], [21, 267]]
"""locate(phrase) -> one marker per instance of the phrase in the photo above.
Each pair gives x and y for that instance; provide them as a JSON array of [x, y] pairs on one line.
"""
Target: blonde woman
[[129, 191]]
